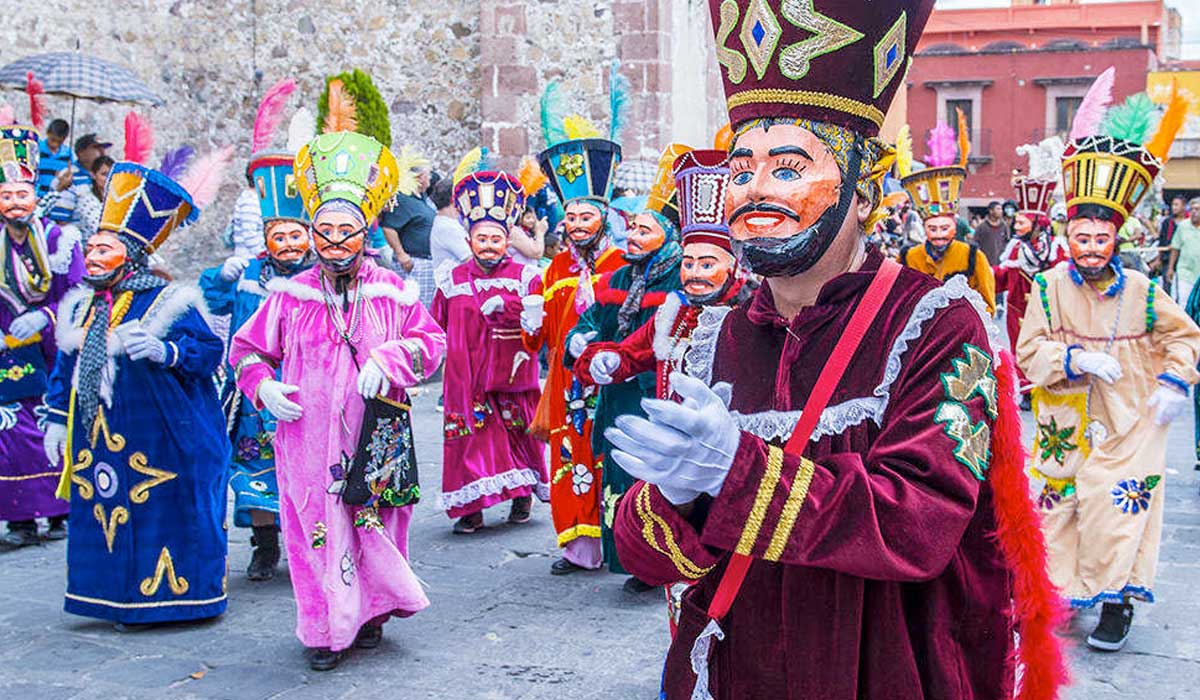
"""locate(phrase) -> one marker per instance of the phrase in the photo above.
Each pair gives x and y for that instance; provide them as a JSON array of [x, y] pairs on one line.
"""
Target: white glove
[[140, 345], [683, 449], [55, 442], [578, 342], [233, 267], [372, 380], [1101, 365], [532, 317], [28, 324], [491, 305], [604, 363], [273, 396], [1171, 404]]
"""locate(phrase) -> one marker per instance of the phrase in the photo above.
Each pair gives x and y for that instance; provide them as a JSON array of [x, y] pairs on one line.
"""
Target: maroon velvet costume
[[887, 581]]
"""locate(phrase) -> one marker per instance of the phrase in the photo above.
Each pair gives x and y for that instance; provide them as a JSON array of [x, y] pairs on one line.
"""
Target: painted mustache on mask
[[763, 208]]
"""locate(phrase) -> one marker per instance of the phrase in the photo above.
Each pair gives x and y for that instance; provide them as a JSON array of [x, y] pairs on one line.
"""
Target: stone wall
[[456, 73]]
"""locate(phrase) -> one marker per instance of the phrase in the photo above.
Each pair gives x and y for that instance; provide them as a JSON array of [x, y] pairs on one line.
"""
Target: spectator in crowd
[[553, 247], [1166, 231], [527, 240], [407, 227], [87, 149], [992, 233], [1184, 267], [90, 201], [448, 244], [55, 155]]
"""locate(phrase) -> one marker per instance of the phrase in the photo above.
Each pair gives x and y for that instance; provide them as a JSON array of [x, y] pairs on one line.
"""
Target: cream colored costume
[[1097, 445]]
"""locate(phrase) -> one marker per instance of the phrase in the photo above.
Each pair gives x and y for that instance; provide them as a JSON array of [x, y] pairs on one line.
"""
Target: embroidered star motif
[[972, 375], [972, 440]]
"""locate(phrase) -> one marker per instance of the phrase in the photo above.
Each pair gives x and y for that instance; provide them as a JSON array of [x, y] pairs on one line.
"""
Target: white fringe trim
[[64, 249], [254, 287], [493, 485], [403, 292], [664, 320]]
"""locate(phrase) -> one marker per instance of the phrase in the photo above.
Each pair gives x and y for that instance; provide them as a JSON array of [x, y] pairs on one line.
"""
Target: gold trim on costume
[[807, 97], [141, 491], [119, 516], [115, 442], [576, 531], [791, 510], [153, 604], [83, 461], [649, 518], [164, 567], [762, 500], [26, 477]]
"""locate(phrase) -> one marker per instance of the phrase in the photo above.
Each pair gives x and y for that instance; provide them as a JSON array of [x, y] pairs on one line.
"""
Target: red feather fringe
[[1037, 606], [37, 103]]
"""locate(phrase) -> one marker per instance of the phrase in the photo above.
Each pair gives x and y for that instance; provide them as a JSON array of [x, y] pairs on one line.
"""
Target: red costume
[[894, 553]]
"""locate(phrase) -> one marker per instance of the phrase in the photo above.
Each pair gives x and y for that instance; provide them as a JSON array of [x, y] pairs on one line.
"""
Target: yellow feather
[[531, 176], [904, 155], [664, 180], [578, 127], [342, 115], [1159, 145], [468, 164], [408, 161], [964, 139]]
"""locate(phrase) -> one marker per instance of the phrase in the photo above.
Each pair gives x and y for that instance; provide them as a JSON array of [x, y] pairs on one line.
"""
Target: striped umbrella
[[80, 76]]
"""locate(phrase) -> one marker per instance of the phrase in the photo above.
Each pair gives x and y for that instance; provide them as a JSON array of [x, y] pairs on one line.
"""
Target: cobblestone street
[[500, 627]]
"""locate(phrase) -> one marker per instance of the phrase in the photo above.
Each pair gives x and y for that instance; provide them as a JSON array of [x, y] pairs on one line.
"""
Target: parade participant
[[236, 289], [342, 338], [878, 539], [491, 385], [580, 166], [41, 262], [625, 300], [708, 274], [1112, 358], [934, 192], [131, 404], [1034, 249]]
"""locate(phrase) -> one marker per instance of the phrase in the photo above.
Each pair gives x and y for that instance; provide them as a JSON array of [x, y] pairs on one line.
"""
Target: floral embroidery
[[318, 535], [368, 519], [581, 405], [1133, 496], [511, 414], [1048, 498], [570, 167], [608, 505], [259, 446], [1054, 442], [17, 372], [970, 376], [581, 479], [972, 440], [455, 426]]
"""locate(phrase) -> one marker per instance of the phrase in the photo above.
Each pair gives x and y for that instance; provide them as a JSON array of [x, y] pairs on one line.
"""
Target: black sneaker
[[369, 636], [58, 529], [21, 533], [323, 659], [636, 586], [1112, 631], [265, 557]]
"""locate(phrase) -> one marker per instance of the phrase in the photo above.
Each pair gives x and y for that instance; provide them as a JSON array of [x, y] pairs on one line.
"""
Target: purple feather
[[175, 163]]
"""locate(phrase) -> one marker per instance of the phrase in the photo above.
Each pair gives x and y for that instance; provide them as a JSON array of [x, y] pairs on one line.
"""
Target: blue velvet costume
[[252, 461], [148, 541]]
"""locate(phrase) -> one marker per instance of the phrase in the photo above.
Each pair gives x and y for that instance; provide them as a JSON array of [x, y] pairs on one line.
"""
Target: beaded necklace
[[347, 330]]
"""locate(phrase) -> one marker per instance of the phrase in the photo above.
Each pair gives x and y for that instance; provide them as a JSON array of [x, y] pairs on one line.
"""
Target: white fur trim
[[491, 486], [292, 288], [528, 274], [64, 249], [67, 332], [251, 287], [664, 320], [405, 295]]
